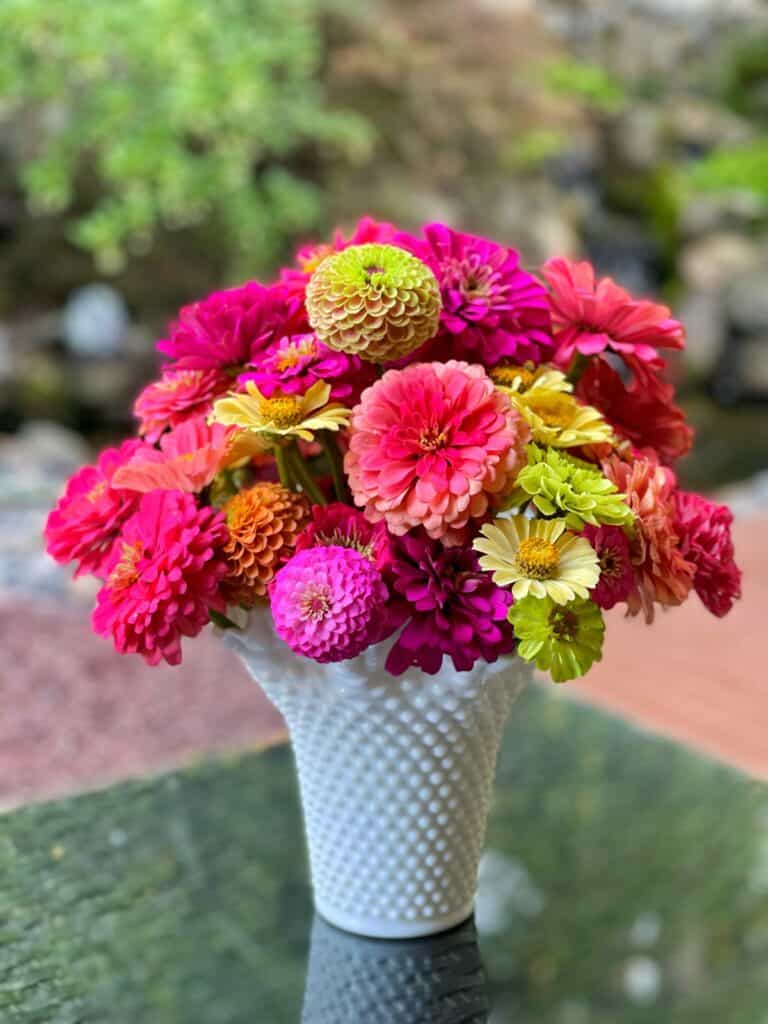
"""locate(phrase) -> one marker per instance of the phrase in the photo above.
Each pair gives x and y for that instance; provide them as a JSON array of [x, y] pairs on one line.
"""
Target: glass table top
[[625, 881]]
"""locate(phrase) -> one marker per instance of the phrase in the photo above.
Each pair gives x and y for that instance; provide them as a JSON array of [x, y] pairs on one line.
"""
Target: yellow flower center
[[315, 602], [294, 352], [506, 374], [565, 624], [96, 491], [346, 540], [126, 571], [285, 411], [555, 412], [537, 558], [432, 439]]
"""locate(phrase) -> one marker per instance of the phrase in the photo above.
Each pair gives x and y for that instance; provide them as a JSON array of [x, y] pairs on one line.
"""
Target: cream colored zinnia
[[282, 416], [557, 419], [538, 557], [512, 378]]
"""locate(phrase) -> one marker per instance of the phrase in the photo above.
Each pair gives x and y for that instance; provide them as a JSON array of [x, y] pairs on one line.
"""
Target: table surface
[[625, 881]]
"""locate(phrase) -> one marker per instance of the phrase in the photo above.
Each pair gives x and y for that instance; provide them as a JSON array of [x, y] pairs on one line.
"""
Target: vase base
[[385, 928]]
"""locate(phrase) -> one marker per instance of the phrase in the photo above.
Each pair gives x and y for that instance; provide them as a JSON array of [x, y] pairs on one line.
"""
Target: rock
[[712, 262], [698, 126], [704, 317], [753, 365], [705, 213], [747, 302], [94, 321], [620, 249], [52, 446], [635, 137]]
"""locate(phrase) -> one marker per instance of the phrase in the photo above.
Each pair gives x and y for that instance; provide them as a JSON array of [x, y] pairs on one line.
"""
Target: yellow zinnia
[[282, 416], [559, 420], [539, 557], [516, 379]]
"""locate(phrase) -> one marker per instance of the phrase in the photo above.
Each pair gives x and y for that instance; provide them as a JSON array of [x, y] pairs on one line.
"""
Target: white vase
[[395, 777]]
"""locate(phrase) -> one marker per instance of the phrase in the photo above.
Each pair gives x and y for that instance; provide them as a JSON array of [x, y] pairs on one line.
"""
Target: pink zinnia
[[432, 445], [706, 541], [663, 574], [591, 315], [492, 308], [179, 395], [617, 578], [228, 329], [189, 458], [338, 525], [164, 577], [643, 411], [328, 603], [450, 607], [88, 518], [293, 364]]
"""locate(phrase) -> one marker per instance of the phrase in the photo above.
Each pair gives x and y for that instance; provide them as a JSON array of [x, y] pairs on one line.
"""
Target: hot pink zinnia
[[591, 315], [706, 541], [341, 526], [328, 603], [617, 578], [228, 329], [179, 395], [88, 518], [164, 577], [450, 606], [492, 308], [432, 445], [189, 458], [294, 363]]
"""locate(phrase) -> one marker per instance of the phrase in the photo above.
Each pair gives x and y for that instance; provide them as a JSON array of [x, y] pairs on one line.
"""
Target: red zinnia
[[706, 541]]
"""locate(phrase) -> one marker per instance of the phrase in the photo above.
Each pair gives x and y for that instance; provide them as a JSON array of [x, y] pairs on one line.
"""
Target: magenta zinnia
[[705, 532], [451, 607], [433, 445], [164, 578], [328, 603], [338, 525], [617, 578], [178, 396]]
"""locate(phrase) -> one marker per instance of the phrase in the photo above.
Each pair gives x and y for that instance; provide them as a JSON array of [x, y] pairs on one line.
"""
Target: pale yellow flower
[[516, 379], [282, 416], [557, 419], [538, 557]]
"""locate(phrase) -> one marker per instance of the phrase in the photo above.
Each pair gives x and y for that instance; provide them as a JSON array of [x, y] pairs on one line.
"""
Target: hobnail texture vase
[[395, 776]]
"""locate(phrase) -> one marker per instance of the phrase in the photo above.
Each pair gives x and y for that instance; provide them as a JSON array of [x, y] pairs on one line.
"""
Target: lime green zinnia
[[560, 483], [564, 640]]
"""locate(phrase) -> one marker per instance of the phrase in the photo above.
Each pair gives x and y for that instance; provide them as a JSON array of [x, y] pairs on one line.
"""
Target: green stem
[[283, 468], [332, 453], [577, 367], [303, 476]]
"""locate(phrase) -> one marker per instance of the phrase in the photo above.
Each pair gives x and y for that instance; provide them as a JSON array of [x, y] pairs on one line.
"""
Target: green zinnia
[[564, 640], [562, 484], [375, 301]]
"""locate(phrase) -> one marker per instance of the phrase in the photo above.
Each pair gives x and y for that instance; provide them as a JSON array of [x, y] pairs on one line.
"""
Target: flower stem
[[283, 469], [332, 453], [577, 367], [303, 476]]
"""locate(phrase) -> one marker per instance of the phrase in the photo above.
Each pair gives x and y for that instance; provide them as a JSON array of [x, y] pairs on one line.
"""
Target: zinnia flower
[[293, 364], [263, 523], [164, 578], [189, 458], [452, 608], [338, 525], [328, 603], [591, 315], [538, 557], [229, 328], [375, 301], [88, 518], [643, 412], [557, 419], [179, 395], [617, 578], [662, 572], [282, 415], [560, 483], [432, 445], [492, 308], [310, 256], [705, 540], [564, 640], [521, 380]]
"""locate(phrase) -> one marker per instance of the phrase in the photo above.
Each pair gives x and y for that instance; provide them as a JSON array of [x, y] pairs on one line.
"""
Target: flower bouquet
[[396, 477]]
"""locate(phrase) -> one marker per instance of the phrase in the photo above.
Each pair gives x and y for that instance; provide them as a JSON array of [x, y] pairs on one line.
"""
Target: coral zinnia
[[179, 395], [538, 557], [282, 415], [328, 603], [564, 640], [591, 315], [616, 575], [338, 525], [643, 412], [662, 572], [492, 308], [452, 607], [375, 301], [229, 328], [263, 523], [705, 540], [88, 518], [432, 445], [164, 577]]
